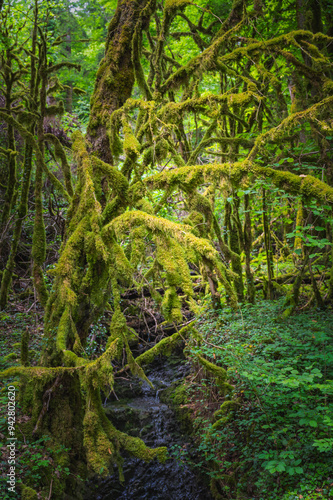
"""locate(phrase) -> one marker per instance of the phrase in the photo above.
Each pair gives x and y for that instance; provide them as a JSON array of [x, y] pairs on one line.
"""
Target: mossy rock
[[176, 397], [127, 390], [124, 418], [28, 493]]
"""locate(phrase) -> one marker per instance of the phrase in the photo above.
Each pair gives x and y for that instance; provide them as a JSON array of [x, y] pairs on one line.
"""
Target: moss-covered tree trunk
[[115, 76], [9, 79], [66, 395], [21, 214], [25, 182], [39, 236]]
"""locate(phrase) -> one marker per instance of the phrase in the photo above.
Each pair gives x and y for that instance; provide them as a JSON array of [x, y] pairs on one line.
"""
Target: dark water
[[147, 417]]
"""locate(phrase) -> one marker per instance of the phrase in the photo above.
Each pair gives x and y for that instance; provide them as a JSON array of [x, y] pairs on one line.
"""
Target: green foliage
[[282, 376], [35, 468]]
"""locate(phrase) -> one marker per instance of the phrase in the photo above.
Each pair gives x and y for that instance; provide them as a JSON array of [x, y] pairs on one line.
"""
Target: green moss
[[42, 373], [137, 448], [99, 373], [165, 346], [220, 374], [175, 4], [220, 423], [223, 414], [40, 284], [180, 395], [138, 246], [171, 306], [218, 371], [193, 176], [28, 493], [131, 144], [64, 330], [118, 328], [135, 367], [10, 356], [177, 398]]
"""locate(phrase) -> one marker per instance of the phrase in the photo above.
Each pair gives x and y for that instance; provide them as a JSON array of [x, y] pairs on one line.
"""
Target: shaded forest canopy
[[157, 160]]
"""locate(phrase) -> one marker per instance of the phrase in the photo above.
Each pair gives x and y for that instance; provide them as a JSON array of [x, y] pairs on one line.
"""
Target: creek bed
[[143, 414]]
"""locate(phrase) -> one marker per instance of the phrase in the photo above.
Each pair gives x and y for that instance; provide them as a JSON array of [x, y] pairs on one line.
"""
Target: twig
[[50, 489], [45, 408]]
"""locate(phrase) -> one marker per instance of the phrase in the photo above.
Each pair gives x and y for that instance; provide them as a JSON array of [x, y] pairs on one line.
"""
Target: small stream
[[140, 412]]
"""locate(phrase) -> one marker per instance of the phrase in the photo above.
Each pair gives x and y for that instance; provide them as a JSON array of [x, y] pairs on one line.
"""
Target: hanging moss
[[135, 367], [118, 328], [172, 258], [131, 144], [43, 373], [283, 130], [103, 441], [109, 206], [161, 226], [116, 74], [183, 236], [171, 306], [193, 176], [138, 246]]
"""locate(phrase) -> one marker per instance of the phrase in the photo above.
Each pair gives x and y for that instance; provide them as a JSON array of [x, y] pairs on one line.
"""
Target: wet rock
[[143, 414], [169, 481]]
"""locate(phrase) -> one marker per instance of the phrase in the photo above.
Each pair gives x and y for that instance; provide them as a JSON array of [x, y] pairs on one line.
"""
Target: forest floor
[[33, 459], [273, 438]]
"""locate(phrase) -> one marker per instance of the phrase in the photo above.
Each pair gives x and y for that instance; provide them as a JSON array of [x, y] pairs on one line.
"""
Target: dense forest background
[[166, 183]]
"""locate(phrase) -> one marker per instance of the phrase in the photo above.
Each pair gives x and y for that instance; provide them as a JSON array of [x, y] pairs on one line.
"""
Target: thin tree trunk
[[21, 213], [247, 249], [268, 247]]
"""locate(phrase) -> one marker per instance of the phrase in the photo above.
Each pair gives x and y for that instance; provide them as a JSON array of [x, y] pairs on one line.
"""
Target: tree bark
[[115, 77]]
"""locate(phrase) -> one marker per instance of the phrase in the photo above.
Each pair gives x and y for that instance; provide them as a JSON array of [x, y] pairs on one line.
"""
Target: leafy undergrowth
[[276, 440], [33, 458]]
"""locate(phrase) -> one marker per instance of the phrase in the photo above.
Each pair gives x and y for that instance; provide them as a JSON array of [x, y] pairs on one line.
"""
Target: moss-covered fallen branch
[[165, 346], [192, 176]]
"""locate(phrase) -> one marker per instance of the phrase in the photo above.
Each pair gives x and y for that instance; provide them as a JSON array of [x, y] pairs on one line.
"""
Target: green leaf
[[281, 467]]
